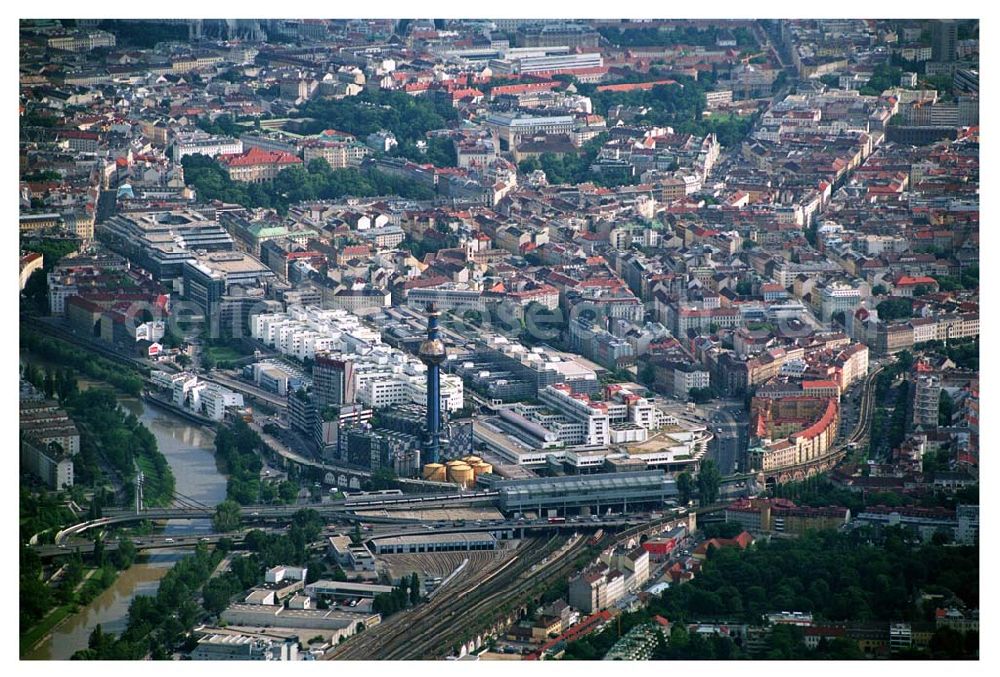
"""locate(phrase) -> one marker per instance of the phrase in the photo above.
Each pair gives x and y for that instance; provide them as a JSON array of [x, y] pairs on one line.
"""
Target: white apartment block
[[205, 144], [339, 155], [383, 376], [579, 408]]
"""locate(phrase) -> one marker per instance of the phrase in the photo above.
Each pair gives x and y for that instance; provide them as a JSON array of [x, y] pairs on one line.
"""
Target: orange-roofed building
[[257, 165]]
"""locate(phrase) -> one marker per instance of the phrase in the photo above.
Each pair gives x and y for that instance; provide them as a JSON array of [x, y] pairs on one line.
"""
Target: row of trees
[[404, 595], [83, 361], [107, 429], [707, 484], [156, 623], [238, 446], [59, 383], [37, 597]]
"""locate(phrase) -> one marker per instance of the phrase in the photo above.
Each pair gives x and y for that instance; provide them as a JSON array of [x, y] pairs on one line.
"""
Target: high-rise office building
[[333, 381], [944, 40]]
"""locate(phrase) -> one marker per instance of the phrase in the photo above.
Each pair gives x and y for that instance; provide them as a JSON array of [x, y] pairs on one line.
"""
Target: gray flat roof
[[423, 539], [350, 587]]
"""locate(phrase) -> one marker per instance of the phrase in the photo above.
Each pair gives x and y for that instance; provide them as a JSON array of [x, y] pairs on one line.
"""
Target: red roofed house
[[904, 285], [257, 165], [741, 541]]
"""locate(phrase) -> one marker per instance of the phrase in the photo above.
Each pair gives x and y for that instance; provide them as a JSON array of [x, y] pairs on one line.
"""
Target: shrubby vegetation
[[237, 447], [266, 550], [819, 492], [145, 35], [837, 577], [895, 308], [679, 106], [968, 279], [440, 152], [408, 117], [296, 184]]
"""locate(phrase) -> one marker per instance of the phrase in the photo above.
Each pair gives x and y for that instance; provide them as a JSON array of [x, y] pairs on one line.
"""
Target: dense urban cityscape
[[499, 339]]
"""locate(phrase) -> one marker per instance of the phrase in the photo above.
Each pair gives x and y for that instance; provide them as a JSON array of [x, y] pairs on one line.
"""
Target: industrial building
[[342, 589], [600, 493], [342, 623], [434, 543], [162, 242], [210, 277], [239, 647], [505, 370]]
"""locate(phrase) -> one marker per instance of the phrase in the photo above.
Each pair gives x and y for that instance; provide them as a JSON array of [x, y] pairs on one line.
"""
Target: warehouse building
[[434, 543], [267, 616]]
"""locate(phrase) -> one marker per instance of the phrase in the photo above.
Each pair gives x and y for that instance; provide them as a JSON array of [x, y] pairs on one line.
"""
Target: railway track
[[867, 408], [430, 630]]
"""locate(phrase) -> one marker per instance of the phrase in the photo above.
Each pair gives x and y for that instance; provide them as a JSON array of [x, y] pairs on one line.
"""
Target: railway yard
[[474, 601]]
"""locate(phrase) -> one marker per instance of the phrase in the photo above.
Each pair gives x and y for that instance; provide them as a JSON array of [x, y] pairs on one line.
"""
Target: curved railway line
[[431, 629], [865, 411]]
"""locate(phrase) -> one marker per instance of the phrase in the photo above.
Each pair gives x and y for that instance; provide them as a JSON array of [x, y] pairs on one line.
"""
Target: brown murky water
[[189, 451]]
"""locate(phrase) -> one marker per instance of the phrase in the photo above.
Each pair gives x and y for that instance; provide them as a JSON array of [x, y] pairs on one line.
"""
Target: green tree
[[685, 487], [97, 640], [288, 491], [709, 479], [647, 374], [414, 589], [895, 309], [700, 395], [227, 516], [49, 384], [946, 408], [124, 555]]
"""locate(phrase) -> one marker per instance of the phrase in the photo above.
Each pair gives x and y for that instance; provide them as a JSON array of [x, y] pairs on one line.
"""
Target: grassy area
[[726, 117], [95, 581], [224, 353], [44, 626], [157, 488]]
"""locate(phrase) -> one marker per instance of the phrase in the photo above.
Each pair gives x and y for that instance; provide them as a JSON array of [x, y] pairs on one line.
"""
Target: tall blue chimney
[[432, 353]]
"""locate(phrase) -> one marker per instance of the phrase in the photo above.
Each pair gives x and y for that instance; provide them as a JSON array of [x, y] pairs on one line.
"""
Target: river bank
[[189, 450]]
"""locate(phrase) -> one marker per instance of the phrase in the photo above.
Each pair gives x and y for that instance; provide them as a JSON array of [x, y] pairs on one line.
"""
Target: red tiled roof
[[635, 86], [259, 156]]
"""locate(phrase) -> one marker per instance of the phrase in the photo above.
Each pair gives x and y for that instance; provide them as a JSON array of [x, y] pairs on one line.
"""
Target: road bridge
[[342, 509]]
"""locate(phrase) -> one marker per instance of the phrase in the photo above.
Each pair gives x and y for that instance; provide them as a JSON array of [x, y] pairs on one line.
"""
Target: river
[[188, 448]]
